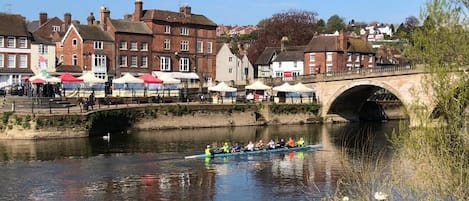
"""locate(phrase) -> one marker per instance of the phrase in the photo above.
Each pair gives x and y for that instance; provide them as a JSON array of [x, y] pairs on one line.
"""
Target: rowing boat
[[263, 151]]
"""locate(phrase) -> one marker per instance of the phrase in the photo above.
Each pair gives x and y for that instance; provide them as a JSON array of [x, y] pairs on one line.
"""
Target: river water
[[151, 165]]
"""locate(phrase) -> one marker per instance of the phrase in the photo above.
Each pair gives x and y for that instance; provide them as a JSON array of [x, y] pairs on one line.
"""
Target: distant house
[[88, 48], [390, 57], [263, 64], [43, 57], [231, 67], [15, 49], [288, 63], [327, 54]]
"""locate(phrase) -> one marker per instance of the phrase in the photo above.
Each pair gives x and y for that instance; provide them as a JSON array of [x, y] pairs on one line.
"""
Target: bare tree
[[298, 26]]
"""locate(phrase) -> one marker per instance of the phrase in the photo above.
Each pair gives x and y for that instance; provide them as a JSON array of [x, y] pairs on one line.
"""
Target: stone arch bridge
[[343, 96]]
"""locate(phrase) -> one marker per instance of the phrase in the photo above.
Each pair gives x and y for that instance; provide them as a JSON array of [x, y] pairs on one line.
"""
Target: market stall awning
[[67, 77], [149, 79], [177, 75], [301, 88], [91, 79], [285, 87], [257, 85], [127, 78], [222, 87]]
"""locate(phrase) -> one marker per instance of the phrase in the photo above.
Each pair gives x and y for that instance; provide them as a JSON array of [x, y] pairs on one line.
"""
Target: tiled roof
[[176, 17], [33, 25], [68, 68], [125, 26], [93, 32], [38, 40], [323, 43], [12, 25], [266, 55], [296, 53]]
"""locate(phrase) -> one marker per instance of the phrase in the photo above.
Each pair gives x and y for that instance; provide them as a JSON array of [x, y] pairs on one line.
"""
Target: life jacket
[[300, 142], [208, 152]]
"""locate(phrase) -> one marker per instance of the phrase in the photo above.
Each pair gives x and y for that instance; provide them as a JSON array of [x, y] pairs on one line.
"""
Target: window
[[11, 42], [200, 47], [349, 57], [370, 58], [74, 42], [167, 29], [144, 62], [75, 60], [123, 61], [230, 59], [23, 61], [1, 42], [167, 44], [165, 63], [23, 42], [184, 64], [329, 56], [133, 46], [329, 69], [99, 61], [144, 47], [123, 45], [133, 61], [357, 57], [312, 69], [209, 47], [98, 45], [61, 59], [184, 31], [312, 57], [184, 45], [363, 57], [43, 49], [55, 28], [2, 61], [230, 70], [11, 61]]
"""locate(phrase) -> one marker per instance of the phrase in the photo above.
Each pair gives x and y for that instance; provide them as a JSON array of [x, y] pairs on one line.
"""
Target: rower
[[226, 148], [300, 142], [291, 142], [208, 151], [250, 146], [271, 144]]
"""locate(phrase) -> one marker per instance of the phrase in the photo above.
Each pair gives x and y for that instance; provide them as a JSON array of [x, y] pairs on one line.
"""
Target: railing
[[346, 75]]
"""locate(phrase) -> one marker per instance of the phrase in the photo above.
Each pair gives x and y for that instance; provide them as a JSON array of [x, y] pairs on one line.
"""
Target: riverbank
[[41, 125]]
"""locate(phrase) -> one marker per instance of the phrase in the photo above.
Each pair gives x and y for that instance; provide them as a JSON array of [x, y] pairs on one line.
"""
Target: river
[[151, 165]]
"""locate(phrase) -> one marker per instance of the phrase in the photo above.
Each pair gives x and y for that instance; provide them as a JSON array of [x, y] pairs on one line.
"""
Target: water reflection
[[150, 166]]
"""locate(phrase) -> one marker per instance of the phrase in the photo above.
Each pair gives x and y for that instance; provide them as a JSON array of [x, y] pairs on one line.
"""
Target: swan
[[381, 196], [107, 137]]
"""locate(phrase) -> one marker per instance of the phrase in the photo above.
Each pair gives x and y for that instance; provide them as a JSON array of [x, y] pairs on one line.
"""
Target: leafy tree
[[298, 26], [335, 23], [321, 25], [411, 22]]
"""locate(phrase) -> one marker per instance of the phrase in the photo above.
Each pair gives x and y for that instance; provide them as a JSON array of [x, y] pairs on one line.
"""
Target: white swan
[[107, 137], [381, 196]]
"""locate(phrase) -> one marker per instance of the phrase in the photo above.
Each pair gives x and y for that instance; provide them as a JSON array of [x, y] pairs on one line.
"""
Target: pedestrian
[[91, 100]]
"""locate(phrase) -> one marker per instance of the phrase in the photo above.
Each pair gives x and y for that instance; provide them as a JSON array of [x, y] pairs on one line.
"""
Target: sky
[[227, 12]]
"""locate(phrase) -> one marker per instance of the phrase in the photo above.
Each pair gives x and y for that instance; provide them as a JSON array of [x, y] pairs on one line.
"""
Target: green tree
[[335, 23], [321, 25]]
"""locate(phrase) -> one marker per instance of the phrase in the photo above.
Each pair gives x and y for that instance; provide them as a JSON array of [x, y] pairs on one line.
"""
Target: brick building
[[15, 49], [337, 53], [89, 48], [183, 43]]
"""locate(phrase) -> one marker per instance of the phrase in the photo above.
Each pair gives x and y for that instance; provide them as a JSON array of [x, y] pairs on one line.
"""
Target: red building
[[183, 42], [337, 53]]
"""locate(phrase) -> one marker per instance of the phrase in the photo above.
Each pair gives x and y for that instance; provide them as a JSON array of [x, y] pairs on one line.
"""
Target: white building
[[231, 67]]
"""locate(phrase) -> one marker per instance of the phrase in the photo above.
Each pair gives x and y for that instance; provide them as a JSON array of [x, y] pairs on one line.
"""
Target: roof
[[93, 32], [125, 26], [266, 55], [38, 40], [295, 54], [12, 25], [33, 25], [323, 43], [68, 68], [177, 17]]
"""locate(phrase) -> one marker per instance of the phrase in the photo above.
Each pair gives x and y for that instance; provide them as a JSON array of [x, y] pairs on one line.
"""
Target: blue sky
[[228, 12]]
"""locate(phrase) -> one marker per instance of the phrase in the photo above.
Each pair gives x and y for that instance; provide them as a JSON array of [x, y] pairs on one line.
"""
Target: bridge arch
[[348, 100]]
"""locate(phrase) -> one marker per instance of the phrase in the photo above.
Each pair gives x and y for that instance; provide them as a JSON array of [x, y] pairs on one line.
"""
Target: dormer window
[[56, 28]]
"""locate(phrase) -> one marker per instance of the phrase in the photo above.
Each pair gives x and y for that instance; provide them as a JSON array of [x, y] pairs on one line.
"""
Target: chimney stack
[[105, 15], [138, 11], [342, 43], [186, 10], [282, 43], [42, 18], [67, 20], [91, 19]]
